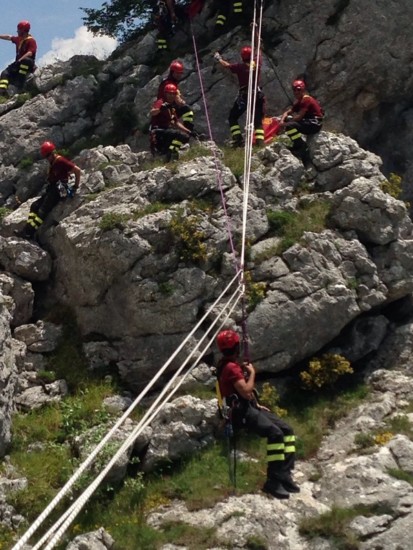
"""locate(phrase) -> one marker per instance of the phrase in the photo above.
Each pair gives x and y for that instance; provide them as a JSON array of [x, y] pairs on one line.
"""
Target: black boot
[[276, 489], [289, 484]]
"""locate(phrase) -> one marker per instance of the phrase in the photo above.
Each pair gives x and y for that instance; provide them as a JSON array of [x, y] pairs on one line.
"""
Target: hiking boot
[[289, 484], [172, 155], [24, 234], [276, 489], [237, 142]]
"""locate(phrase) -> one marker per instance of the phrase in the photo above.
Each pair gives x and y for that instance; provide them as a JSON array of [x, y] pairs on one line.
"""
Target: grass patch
[[196, 151], [314, 415], [113, 220], [152, 208], [400, 474], [290, 226], [334, 525], [4, 212], [234, 160]]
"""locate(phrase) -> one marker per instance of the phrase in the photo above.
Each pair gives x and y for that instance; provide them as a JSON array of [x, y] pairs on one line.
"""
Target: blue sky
[[57, 27]]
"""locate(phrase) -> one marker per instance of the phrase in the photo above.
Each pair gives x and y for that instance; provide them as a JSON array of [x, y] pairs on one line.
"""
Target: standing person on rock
[[237, 385], [305, 116], [242, 71], [24, 64], [167, 14], [58, 188]]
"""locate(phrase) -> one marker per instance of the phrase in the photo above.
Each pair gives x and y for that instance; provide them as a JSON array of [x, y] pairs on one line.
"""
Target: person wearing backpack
[[57, 189], [237, 389]]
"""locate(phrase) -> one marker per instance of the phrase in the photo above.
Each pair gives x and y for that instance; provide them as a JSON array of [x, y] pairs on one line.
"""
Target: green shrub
[[400, 474], [364, 441], [151, 208], [113, 220], [4, 212], [26, 163], [189, 239], [292, 225], [325, 371], [270, 398], [254, 291], [392, 186], [334, 525]]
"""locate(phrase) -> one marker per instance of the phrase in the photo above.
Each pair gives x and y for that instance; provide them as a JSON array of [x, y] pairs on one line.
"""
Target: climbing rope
[[59, 528], [55, 533], [89, 460]]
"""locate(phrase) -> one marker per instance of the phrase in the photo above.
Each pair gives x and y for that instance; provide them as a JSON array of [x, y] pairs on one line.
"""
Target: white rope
[[88, 461], [69, 515], [64, 522], [251, 102]]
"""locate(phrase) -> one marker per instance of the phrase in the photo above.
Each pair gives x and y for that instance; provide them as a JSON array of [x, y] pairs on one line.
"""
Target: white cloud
[[83, 43]]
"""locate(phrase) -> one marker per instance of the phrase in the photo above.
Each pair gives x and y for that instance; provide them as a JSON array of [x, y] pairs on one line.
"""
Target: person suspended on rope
[[167, 133], [237, 385], [167, 15], [58, 188], [242, 71], [305, 116], [24, 64]]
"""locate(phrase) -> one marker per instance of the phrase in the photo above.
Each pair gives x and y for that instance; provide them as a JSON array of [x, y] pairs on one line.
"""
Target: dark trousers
[[295, 130], [16, 74], [226, 9], [167, 140], [165, 24], [41, 208], [239, 108], [186, 116], [280, 439]]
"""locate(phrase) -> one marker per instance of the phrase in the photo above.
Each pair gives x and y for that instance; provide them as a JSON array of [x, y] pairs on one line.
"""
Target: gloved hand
[[217, 56]]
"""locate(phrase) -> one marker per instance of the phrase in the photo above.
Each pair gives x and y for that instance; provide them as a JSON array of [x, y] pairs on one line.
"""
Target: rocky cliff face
[[117, 254]]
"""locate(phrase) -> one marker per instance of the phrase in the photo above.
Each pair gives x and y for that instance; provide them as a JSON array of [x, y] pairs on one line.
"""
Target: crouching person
[[57, 188], [237, 384], [167, 133]]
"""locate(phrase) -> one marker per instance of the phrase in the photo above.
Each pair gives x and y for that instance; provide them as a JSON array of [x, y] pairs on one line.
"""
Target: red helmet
[[170, 89], [176, 67], [23, 26], [246, 53], [46, 148], [298, 85], [227, 339]]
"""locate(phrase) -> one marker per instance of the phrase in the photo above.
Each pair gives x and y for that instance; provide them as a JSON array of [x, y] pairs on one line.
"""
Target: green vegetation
[[234, 160], [312, 414], [399, 424], [151, 208], [255, 291], [334, 525], [290, 226], [325, 371], [195, 151], [401, 474], [269, 397], [4, 212], [25, 163], [118, 18], [189, 239], [113, 220], [392, 186]]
